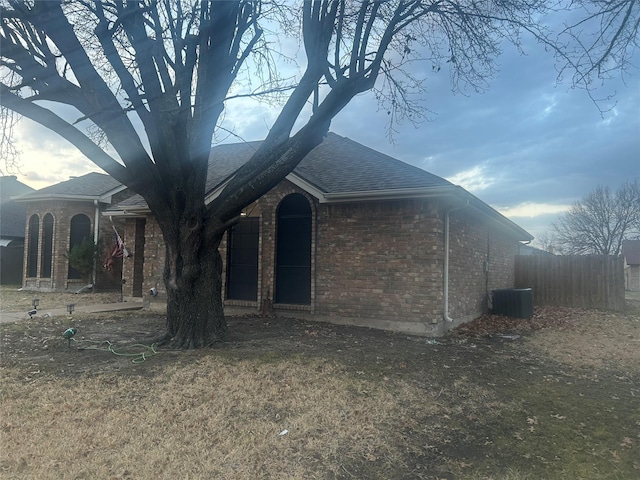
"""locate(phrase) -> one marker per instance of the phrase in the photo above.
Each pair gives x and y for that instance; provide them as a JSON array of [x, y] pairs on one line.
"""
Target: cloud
[[46, 158], [528, 209], [475, 179]]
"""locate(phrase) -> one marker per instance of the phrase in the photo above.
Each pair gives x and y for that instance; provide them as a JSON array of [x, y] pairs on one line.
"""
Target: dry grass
[[12, 299], [593, 339], [355, 403], [214, 418]]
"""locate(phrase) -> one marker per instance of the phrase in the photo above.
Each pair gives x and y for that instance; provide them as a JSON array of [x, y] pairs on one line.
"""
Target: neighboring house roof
[[631, 251], [340, 170], [12, 220], [529, 250], [10, 187], [92, 186], [12, 215]]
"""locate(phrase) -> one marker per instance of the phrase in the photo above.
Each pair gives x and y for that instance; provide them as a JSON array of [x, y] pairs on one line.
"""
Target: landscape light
[[71, 307], [36, 303]]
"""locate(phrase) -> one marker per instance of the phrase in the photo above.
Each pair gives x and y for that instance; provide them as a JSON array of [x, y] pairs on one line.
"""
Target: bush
[[81, 257]]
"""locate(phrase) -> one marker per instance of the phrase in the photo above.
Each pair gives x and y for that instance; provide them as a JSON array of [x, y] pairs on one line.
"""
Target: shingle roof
[[12, 215], [90, 185], [12, 220], [10, 187], [337, 165], [340, 169], [340, 165], [631, 251]]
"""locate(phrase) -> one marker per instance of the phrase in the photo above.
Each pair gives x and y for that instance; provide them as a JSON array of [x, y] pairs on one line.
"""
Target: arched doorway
[[293, 251]]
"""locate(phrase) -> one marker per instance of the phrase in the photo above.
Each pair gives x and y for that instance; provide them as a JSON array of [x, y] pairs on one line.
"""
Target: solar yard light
[[36, 303], [71, 307], [69, 333]]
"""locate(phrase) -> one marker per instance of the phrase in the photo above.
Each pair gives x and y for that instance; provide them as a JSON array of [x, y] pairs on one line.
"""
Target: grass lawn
[[558, 397]]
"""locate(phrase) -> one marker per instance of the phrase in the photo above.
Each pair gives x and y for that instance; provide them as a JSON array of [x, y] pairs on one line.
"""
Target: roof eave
[[105, 197], [137, 212], [57, 196]]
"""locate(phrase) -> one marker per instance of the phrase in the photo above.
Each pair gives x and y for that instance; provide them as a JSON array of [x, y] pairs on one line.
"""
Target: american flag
[[117, 251]]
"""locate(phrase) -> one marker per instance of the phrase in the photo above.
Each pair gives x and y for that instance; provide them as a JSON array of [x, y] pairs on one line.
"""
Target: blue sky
[[528, 146]]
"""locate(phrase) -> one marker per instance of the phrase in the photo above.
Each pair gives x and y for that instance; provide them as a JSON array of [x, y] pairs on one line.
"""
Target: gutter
[[445, 275]]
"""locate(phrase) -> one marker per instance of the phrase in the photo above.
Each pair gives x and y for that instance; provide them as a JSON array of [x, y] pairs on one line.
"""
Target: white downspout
[[96, 221], [445, 276]]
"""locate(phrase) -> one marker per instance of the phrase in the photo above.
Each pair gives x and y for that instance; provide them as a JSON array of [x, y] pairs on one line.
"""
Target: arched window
[[80, 230], [47, 246], [293, 251], [32, 254]]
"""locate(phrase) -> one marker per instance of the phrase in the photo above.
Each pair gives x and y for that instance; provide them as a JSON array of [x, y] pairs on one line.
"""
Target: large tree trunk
[[193, 279]]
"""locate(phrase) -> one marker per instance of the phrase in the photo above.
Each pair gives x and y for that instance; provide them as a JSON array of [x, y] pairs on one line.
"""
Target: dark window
[[32, 255], [293, 251], [47, 246], [242, 271], [80, 230]]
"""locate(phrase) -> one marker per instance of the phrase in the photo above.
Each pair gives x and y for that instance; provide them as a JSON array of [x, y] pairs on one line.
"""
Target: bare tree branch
[[600, 221]]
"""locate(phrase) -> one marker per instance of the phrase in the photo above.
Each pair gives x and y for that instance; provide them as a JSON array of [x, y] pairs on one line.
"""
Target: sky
[[529, 147]]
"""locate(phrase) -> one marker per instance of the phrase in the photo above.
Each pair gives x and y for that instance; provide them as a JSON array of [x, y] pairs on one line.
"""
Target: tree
[[174, 66], [599, 222]]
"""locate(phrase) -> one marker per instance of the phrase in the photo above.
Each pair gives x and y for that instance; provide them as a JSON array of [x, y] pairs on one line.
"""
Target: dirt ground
[[554, 397]]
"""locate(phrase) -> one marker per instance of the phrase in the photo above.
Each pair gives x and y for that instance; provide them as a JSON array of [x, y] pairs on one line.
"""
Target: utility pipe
[[96, 221], [445, 276]]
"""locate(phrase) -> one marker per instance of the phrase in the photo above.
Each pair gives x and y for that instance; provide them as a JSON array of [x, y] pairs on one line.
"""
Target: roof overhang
[[36, 197]]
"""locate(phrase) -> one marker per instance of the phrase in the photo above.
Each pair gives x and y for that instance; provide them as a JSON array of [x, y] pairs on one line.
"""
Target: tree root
[[171, 342]]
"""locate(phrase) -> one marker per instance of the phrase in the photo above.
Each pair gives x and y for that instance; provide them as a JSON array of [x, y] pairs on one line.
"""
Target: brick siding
[[377, 264]]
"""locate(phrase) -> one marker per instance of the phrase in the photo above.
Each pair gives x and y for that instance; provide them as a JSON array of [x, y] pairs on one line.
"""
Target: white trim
[[307, 187], [210, 197]]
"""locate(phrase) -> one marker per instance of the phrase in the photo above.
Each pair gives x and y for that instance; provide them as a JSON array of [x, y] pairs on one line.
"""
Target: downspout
[[96, 221], [445, 310]]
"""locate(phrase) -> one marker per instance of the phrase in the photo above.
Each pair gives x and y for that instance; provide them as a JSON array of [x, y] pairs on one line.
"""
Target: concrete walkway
[[11, 317]]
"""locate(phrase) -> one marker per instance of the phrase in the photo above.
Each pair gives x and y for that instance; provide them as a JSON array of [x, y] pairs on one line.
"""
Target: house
[[351, 236], [527, 250], [61, 216], [12, 226], [631, 255]]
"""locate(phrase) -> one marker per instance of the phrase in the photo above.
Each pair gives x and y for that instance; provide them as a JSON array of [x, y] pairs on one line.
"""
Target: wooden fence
[[587, 281]]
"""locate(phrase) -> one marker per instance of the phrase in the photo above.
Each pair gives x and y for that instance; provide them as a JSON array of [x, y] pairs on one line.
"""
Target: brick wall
[[380, 264], [481, 259], [377, 264]]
